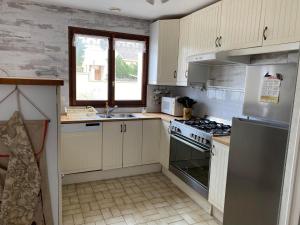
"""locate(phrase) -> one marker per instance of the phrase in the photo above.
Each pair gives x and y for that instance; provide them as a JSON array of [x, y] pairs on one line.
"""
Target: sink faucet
[[109, 110]]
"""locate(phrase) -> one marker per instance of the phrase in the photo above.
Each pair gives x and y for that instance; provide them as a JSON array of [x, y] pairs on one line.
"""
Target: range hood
[[218, 58], [200, 64]]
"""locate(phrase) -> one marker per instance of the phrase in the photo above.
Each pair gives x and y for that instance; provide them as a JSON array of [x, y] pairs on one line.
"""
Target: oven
[[190, 161]]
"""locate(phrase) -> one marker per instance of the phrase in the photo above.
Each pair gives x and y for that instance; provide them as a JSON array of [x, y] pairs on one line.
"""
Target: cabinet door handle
[[125, 128], [121, 128], [216, 42], [92, 124], [175, 74], [186, 74], [212, 151], [265, 33], [219, 41]]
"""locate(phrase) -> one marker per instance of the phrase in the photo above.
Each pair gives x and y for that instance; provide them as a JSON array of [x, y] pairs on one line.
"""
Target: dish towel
[[22, 184]]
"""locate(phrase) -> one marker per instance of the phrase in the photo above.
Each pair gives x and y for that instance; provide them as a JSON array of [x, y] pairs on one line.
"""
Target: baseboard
[[217, 214], [110, 174], [202, 202]]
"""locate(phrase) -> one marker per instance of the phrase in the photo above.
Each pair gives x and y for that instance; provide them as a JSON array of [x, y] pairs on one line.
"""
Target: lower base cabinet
[[112, 145], [164, 144], [151, 141], [81, 146], [218, 175], [132, 143]]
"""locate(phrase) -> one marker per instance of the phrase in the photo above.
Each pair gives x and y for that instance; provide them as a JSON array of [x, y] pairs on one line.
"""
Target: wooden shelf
[[31, 81]]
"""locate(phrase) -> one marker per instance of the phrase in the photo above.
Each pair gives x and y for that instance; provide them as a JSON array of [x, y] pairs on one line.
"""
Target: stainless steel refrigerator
[[258, 150]]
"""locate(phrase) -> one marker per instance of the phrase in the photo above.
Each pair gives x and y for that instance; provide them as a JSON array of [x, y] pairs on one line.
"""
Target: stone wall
[[34, 36]]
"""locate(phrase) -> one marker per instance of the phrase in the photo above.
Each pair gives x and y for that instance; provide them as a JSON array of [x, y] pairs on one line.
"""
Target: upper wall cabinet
[[185, 50], [282, 21], [164, 38], [241, 24], [205, 31]]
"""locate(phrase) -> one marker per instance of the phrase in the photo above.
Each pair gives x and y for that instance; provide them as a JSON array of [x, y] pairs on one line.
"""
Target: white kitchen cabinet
[[282, 21], [112, 145], [205, 29], [185, 46], [165, 144], [163, 57], [218, 175], [151, 140], [241, 24], [81, 147], [132, 143]]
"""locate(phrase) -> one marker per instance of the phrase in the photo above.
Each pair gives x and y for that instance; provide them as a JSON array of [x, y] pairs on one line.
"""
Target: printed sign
[[270, 90]]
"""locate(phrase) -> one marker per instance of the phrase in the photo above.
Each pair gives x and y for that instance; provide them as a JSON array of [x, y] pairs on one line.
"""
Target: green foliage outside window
[[124, 70]]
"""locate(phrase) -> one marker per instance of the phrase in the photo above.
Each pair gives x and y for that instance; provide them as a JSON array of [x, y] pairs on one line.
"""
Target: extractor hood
[[218, 58]]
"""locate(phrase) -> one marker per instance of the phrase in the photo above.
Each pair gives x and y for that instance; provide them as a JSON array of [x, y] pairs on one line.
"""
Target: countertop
[[138, 116], [225, 140], [31, 81]]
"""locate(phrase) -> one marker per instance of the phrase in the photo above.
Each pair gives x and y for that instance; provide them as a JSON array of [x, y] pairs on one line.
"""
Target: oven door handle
[[189, 144]]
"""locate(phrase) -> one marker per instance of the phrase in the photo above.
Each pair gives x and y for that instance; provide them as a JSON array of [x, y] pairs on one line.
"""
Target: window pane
[[91, 68], [128, 69]]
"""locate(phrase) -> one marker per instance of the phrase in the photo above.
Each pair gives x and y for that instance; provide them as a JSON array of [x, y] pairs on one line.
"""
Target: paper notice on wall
[[270, 90]]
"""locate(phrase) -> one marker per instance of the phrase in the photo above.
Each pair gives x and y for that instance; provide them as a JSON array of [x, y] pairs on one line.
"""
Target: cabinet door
[[206, 29], [168, 51], [165, 144], [282, 21], [241, 24], [81, 148], [184, 50], [153, 53], [218, 175], [112, 145], [164, 40], [132, 143], [151, 139]]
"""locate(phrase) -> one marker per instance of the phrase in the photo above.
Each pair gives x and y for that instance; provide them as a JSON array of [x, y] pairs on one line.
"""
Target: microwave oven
[[169, 105]]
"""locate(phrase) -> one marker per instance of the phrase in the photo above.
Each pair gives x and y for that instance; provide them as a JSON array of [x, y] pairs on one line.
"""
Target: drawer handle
[[92, 124]]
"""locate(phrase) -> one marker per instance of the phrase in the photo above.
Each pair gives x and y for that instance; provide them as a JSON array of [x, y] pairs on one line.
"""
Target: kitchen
[[136, 156]]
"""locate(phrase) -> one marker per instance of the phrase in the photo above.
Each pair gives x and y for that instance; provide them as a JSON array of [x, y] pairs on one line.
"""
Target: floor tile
[[150, 199]]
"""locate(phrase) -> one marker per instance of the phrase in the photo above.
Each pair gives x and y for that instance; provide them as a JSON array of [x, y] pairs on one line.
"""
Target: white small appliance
[[169, 105]]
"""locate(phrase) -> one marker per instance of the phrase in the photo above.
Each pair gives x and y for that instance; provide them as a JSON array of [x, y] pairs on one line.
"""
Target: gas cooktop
[[199, 130], [208, 126]]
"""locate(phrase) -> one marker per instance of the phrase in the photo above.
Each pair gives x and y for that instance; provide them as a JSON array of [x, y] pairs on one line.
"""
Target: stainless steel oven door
[[190, 162]]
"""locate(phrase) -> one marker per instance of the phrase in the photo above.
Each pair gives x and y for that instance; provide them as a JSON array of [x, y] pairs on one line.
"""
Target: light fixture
[[115, 9], [152, 2]]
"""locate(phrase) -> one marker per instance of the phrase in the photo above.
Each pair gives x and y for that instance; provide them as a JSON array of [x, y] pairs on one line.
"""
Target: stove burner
[[212, 127]]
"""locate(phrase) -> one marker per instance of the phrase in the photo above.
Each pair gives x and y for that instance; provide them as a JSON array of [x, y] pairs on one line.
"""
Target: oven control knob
[[178, 130], [199, 139], [192, 136], [195, 137]]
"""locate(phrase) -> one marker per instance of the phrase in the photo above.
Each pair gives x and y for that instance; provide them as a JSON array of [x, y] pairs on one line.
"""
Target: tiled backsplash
[[224, 95], [225, 98]]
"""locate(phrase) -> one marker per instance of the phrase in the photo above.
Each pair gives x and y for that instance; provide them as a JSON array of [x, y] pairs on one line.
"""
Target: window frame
[[111, 68]]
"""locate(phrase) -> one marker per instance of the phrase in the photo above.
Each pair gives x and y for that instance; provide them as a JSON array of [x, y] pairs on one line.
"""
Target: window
[[107, 67]]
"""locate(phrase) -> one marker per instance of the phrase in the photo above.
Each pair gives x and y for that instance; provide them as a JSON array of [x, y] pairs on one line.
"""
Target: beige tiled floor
[[145, 199]]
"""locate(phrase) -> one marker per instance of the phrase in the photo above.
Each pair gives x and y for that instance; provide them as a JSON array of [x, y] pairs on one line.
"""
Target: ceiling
[[135, 8]]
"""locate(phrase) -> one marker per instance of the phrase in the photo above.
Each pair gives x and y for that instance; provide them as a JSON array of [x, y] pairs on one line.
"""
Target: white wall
[[45, 98]]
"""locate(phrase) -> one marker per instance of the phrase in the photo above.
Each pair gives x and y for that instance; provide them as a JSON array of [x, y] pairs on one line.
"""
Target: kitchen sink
[[117, 116]]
